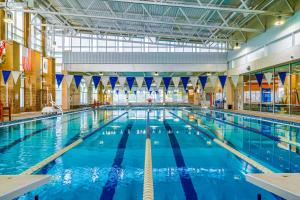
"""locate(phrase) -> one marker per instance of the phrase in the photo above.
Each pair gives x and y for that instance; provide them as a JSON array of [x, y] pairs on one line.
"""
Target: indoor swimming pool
[[187, 163]]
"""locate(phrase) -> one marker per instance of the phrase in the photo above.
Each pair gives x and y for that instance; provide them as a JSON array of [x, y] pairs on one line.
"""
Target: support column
[[43, 42], [26, 29], [2, 24]]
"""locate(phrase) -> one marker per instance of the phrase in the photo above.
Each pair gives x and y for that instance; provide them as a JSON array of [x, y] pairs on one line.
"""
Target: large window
[[279, 91], [36, 32], [255, 93], [15, 31], [282, 89], [295, 88], [246, 95], [83, 92], [267, 92]]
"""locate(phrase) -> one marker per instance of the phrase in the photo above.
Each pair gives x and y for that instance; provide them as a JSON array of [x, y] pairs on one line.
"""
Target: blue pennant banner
[[185, 81], [148, 81], [130, 81], [96, 80], [77, 79], [223, 79], [117, 91], [135, 92], [203, 80], [282, 76], [113, 80], [167, 81], [59, 78], [259, 78], [5, 74]]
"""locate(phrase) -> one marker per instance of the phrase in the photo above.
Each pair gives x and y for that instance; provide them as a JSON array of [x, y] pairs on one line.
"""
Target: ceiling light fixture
[[279, 21], [237, 46], [156, 73]]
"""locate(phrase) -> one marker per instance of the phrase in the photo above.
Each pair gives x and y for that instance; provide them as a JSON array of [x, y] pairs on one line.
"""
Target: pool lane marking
[[25, 137], [185, 178], [237, 125], [65, 149], [257, 118], [148, 193], [108, 190], [231, 149], [275, 138]]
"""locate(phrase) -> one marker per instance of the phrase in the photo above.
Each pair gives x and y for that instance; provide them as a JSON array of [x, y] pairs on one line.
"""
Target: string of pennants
[[140, 81], [148, 80], [166, 80]]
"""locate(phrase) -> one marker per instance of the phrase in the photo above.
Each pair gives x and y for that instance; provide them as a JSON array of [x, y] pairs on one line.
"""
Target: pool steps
[[67, 148], [232, 150], [148, 193]]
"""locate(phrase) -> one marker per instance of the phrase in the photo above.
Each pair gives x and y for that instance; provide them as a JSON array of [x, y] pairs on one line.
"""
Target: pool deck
[[15, 186], [285, 185], [291, 118]]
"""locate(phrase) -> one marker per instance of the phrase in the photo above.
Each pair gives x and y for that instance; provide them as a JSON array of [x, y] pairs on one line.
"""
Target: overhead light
[[279, 21], [8, 18], [237, 46], [156, 73], [100, 74]]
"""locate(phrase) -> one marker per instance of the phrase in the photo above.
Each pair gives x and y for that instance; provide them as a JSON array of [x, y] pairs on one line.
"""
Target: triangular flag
[[176, 81], [139, 81], [5, 74], [213, 80], [282, 76], [157, 80], [15, 75], [259, 78], [122, 80], [235, 80], [269, 76], [113, 80], [104, 80], [203, 80], [223, 79], [59, 78], [167, 81], [69, 79], [87, 80], [77, 79], [194, 80], [96, 80], [148, 81], [130, 81], [185, 81]]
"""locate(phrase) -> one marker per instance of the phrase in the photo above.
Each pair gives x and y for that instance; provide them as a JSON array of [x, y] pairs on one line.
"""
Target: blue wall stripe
[[185, 178], [109, 188]]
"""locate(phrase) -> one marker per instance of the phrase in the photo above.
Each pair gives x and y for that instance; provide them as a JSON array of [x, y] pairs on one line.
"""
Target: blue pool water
[[109, 164]]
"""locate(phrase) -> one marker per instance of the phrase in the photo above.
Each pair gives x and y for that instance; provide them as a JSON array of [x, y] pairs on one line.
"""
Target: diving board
[[285, 185], [13, 186]]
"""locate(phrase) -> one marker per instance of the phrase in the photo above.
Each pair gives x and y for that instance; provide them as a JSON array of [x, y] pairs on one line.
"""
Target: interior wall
[[279, 44]]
